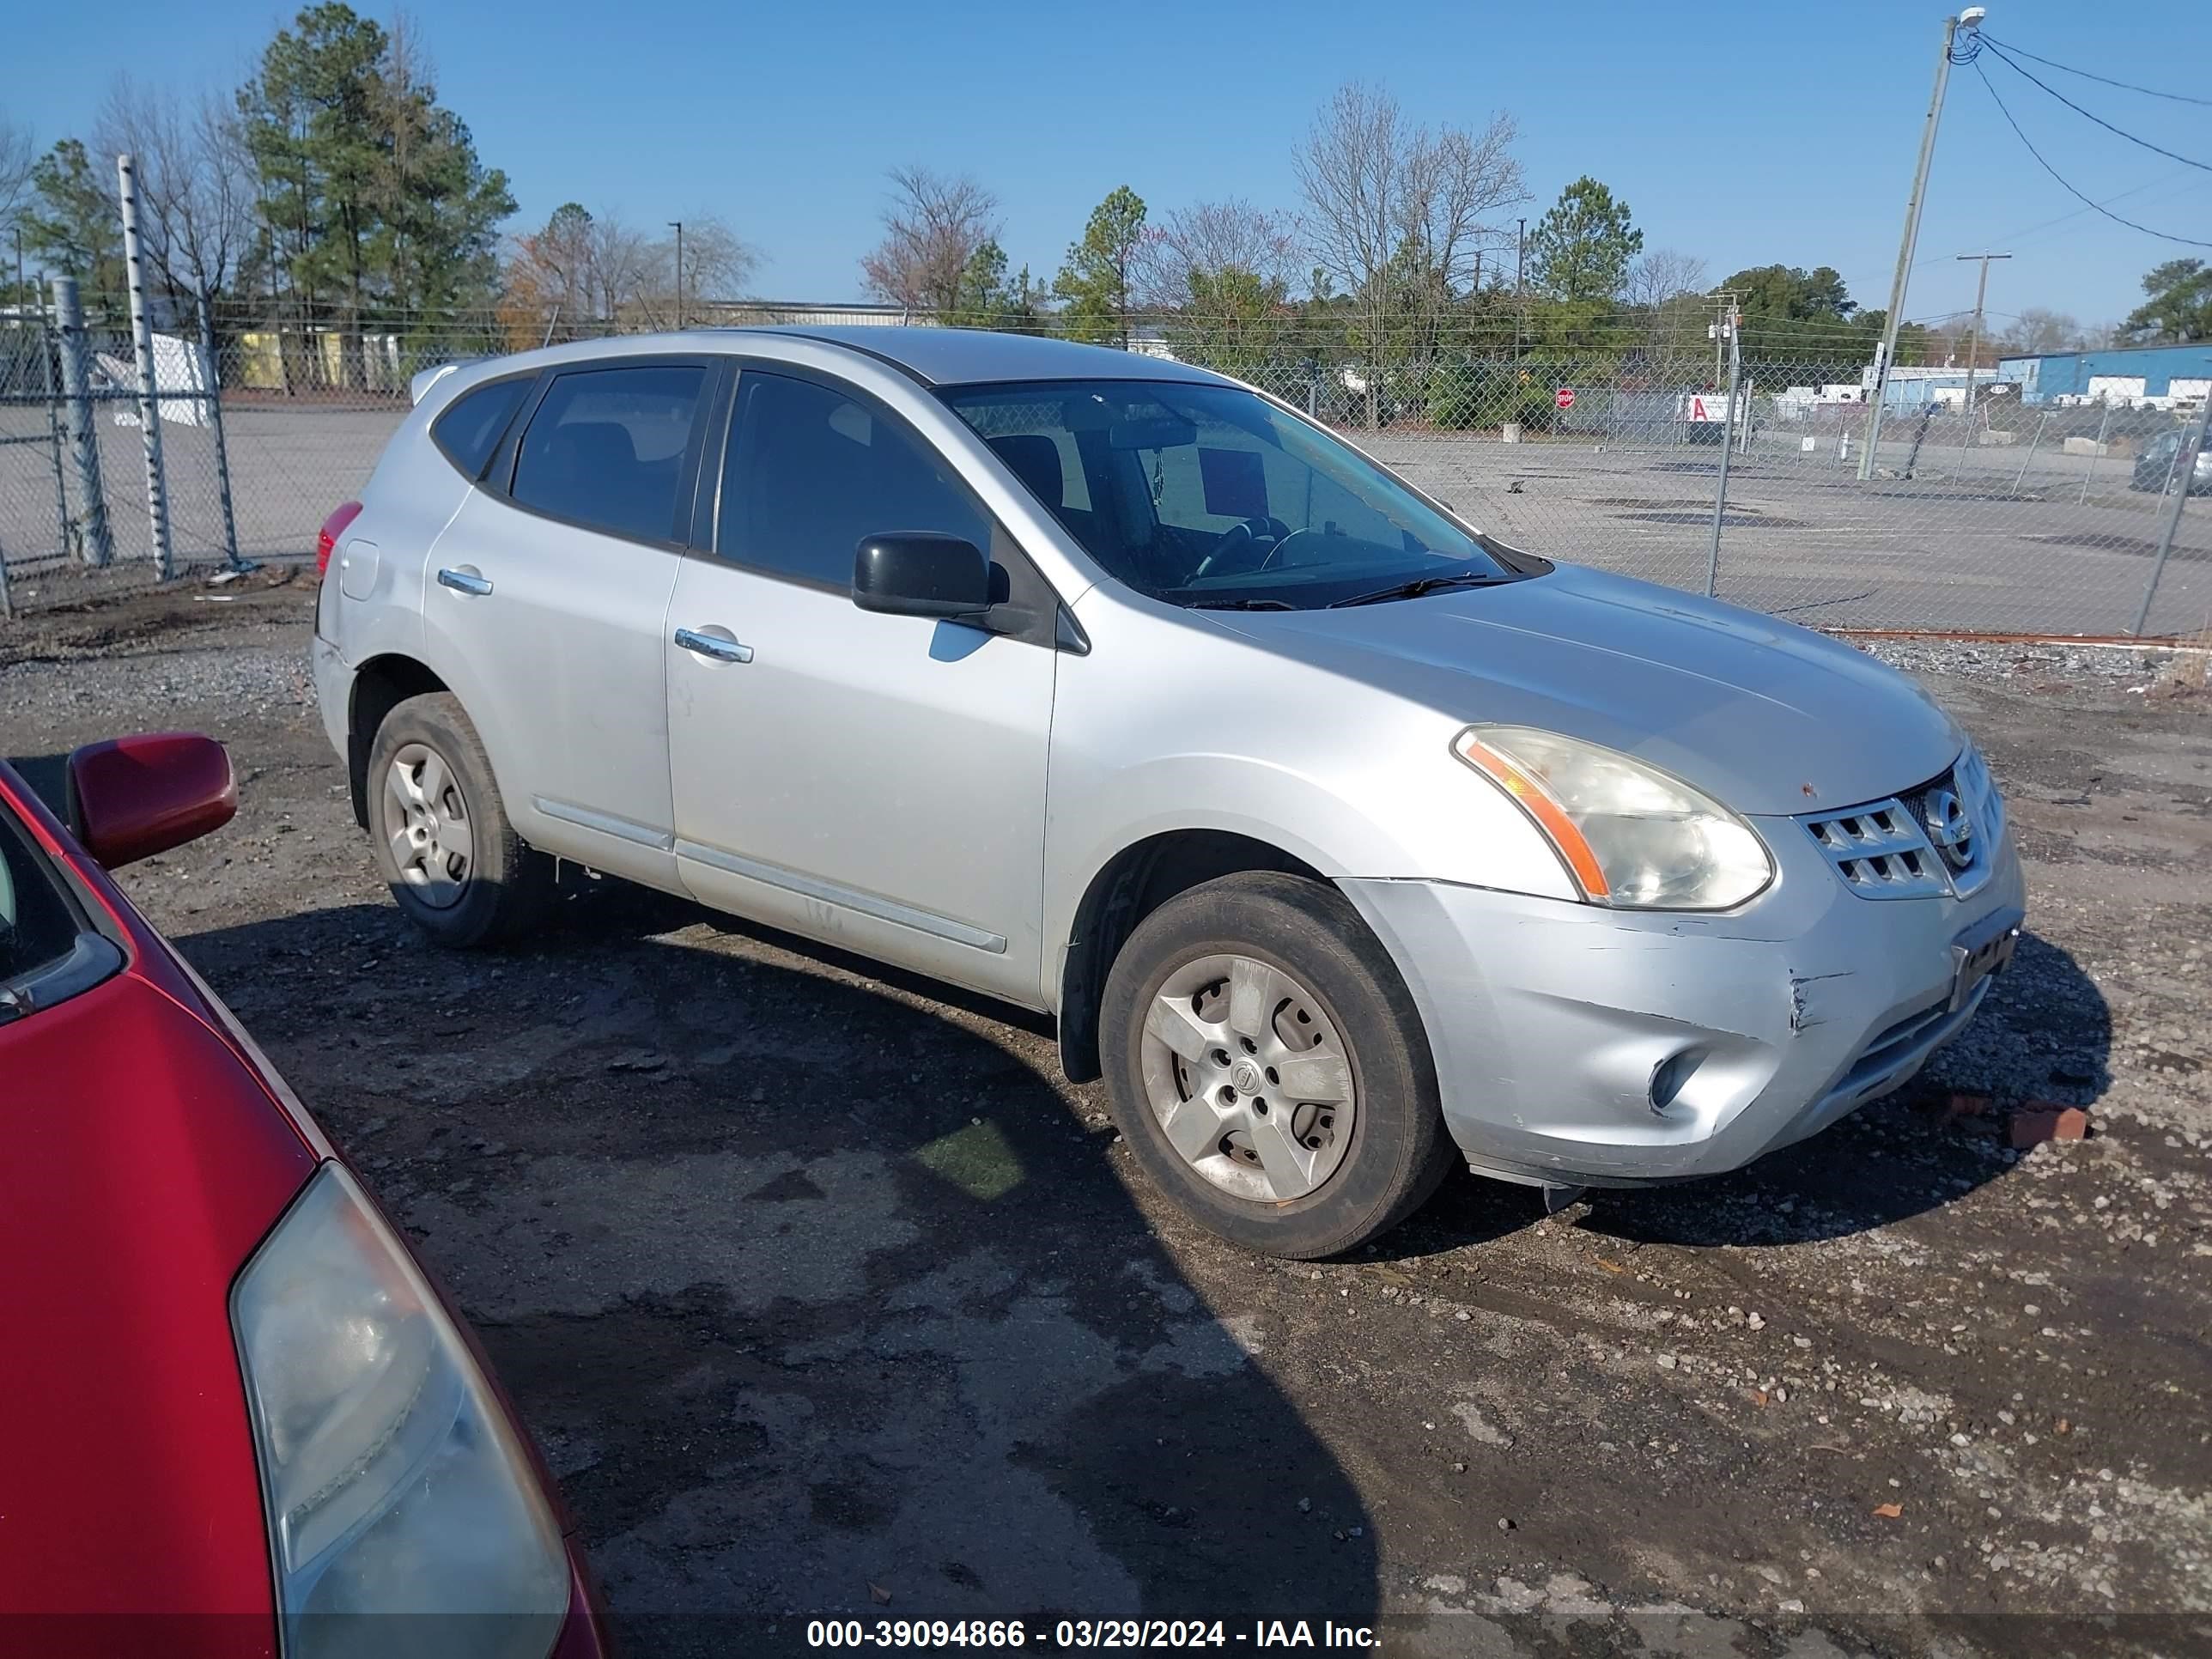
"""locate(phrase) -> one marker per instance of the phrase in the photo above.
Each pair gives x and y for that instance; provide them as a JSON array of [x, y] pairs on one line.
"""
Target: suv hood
[[1767, 718]]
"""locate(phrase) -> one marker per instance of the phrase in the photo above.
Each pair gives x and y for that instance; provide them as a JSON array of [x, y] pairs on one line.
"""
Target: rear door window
[[606, 449], [471, 429]]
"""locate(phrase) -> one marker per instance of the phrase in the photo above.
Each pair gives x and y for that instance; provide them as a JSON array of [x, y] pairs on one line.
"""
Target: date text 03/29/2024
[[1077, 1634]]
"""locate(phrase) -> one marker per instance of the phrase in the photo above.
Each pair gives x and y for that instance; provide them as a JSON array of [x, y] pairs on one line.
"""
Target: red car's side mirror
[[131, 798]]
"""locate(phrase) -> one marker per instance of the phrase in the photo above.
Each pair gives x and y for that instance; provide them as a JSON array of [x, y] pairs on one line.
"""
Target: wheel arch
[[380, 685], [1128, 887]]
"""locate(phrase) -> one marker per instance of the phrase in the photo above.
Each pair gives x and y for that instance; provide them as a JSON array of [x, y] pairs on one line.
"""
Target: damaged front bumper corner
[[1581, 1046]]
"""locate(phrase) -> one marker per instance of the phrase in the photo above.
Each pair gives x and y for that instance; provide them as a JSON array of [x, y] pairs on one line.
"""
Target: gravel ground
[[827, 1297]]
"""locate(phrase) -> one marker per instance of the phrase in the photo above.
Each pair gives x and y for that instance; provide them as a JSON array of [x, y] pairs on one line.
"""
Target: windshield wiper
[[1241, 604], [1415, 588]]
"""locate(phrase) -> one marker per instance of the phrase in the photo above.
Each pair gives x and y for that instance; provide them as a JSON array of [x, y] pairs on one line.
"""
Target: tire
[[1306, 967], [482, 885]]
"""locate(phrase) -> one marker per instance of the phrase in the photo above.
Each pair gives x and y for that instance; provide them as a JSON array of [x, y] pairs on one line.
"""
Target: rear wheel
[[1266, 1067], [440, 832]]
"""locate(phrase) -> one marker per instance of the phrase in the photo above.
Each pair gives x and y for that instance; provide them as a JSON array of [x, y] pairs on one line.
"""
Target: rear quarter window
[[471, 428], [606, 449]]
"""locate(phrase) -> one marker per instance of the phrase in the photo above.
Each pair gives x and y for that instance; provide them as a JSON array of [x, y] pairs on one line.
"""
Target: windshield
[[1210, 496]]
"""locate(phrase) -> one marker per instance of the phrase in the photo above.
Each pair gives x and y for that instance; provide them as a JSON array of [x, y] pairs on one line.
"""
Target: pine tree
[[74, 226], [1093, 286]]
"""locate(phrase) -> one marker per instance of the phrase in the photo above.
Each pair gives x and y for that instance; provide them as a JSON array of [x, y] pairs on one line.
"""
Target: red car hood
[[143, 1163]]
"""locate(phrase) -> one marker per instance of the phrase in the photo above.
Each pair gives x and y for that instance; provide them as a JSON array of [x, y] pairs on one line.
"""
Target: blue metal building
[[2123, 373]]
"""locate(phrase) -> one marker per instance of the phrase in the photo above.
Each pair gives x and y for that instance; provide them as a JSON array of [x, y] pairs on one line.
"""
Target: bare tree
[[716, 263], [932, 226], [1400, 212], [1219, 277], [1198, 248], [581, 272], [1662, 274], [2039, 330], [196, 182], [18, 156]]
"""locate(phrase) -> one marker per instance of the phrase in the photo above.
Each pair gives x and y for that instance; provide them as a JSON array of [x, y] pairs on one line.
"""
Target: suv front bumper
[[1581, 1046]]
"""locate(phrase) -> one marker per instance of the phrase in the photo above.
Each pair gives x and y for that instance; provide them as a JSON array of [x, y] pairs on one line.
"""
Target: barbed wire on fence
[[1598, 440]]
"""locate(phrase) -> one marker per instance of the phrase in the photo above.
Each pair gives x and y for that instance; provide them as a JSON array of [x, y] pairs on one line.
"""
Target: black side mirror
[[913, 574]]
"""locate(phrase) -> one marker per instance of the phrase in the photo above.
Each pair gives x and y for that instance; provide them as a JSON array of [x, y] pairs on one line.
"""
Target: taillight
[[333, 527]]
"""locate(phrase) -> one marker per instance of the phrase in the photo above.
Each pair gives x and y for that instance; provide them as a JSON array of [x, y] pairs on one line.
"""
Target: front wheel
[[1265, 1065]]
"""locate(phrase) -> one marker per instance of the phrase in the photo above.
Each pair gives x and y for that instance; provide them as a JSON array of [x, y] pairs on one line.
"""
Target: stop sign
[[1565, 397]]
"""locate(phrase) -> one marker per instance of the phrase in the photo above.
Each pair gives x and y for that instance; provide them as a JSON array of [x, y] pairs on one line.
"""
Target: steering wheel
[[1283, 544], [1240, 536]]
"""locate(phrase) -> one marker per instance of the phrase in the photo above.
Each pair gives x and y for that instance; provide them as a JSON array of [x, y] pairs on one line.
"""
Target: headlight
[[1629, 835], [392, 1480]]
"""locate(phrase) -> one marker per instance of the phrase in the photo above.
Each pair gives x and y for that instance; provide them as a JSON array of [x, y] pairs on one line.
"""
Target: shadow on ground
[[821, 1302]]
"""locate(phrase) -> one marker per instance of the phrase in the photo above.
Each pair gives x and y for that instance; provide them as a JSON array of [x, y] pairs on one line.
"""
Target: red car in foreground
[[240, 1420]]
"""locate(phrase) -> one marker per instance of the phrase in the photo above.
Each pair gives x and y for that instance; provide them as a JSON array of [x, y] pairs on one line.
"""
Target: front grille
[[1880, 851], [1897, 849]]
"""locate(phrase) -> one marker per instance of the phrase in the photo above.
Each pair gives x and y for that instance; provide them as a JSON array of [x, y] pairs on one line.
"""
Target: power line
[[2091, 115], [2065, 218], [2164, 236], [2124, 86]]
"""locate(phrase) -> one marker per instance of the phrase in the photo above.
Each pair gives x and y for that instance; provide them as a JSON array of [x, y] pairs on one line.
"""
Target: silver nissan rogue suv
[[1343, 840]]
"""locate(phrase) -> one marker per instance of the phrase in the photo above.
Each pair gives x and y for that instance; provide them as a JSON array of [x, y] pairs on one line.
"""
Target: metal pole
[[150, 404], [2095, 454], [1519, 303], [1727, 433], [211, 373], [678, 223], [96, 544], [1919, 437], [1887, 349], [2028, 460], [55, 443], [2185, 460], [6, 598], [1974, 350]]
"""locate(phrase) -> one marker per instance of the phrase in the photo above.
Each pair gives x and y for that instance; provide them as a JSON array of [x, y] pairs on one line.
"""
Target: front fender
[[1351, 781]]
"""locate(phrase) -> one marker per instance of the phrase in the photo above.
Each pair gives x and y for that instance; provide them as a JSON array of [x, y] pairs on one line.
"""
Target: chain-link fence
[[82, 489], [1993, 517], [1976, 512]]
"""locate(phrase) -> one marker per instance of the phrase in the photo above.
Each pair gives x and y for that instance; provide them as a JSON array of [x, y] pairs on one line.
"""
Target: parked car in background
[[240, 1419], [1346, 840], [2161, 460]]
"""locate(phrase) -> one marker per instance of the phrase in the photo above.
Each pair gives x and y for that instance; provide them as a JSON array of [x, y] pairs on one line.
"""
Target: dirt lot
[[826, 1297]]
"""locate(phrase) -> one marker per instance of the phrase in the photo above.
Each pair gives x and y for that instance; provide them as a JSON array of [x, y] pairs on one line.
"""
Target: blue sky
[[1745, 134]]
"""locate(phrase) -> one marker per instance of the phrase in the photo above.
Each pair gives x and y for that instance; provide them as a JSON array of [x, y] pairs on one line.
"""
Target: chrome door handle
[[712, 645], [465, 581]]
